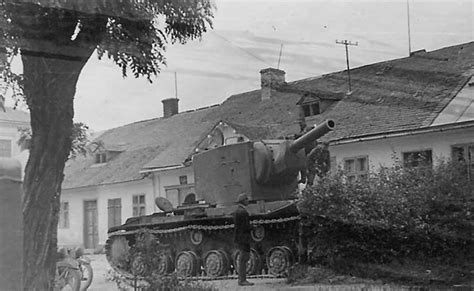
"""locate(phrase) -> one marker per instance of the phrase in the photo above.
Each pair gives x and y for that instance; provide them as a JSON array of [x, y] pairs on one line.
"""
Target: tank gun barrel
[[312, 135]]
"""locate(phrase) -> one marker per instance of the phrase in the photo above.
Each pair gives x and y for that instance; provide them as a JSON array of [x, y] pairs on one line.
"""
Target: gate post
[[11, 225]]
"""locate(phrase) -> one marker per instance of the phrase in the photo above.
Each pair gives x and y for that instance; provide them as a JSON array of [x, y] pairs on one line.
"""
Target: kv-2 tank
[[197, 239]]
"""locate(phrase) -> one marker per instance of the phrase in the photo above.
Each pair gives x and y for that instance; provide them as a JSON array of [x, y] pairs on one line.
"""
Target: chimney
[[271, 79], [170, 107]]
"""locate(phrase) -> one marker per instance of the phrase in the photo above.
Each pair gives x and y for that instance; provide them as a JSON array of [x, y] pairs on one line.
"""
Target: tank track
[[140, 252]]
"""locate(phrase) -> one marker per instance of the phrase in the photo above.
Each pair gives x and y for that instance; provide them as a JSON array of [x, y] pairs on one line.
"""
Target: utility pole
[[346, 43], [175, 85], [409, 36]]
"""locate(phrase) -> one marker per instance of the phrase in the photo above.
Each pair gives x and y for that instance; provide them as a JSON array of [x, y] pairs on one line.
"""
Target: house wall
[[382, 151], [165, 179], [9, 131], [74, 234]]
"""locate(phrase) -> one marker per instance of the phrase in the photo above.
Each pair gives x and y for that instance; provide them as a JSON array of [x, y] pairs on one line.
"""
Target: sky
[[249, 35]]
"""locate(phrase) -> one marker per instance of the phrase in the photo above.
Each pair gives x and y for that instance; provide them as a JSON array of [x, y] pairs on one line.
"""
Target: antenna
[[175, 85], [346, 43], [279, 57], [409, 36]]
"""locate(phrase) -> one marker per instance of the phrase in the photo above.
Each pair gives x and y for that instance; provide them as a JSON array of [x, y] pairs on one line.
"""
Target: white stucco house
[[11, 121], [418, 107]]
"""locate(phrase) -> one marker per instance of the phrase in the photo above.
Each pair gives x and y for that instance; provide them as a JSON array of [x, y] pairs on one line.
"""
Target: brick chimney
[[170, 107], [271, 79]]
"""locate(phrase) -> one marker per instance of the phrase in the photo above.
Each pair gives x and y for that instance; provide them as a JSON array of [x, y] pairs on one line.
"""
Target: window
[[418, 159], [5, 148], [183, 180], [356, 167], [139, 206], [311, 109], [100, 158], [114, 208], [465, 154], [64, 215]]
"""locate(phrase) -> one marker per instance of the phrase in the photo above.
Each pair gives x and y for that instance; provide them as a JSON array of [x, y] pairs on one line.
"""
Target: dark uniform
[[242, 239]]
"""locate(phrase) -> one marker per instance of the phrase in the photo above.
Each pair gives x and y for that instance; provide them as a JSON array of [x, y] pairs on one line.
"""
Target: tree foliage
[[55, 39], [133, 33]]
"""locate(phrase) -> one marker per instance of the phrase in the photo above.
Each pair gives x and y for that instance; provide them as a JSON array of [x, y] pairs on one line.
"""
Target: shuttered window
[[114, 208]]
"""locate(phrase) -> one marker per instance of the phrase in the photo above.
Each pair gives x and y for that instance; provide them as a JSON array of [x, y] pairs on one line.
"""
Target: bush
[[417, 213]]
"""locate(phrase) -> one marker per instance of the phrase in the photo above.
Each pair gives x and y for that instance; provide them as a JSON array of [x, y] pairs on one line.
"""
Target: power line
[[176, 85], [279, 57], [247, 52], [347, 43]]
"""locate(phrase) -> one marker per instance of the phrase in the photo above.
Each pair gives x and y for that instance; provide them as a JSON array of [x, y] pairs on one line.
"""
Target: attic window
[[100, 158], [311, 109]]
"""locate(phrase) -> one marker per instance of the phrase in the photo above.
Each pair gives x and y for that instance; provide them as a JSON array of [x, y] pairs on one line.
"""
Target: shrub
[[422, 213]]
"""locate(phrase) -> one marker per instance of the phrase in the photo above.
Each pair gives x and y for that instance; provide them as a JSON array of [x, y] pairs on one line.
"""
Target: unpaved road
[[100, 283]]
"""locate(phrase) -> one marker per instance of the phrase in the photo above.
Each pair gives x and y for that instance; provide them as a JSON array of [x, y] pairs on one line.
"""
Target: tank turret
[[266, 170]]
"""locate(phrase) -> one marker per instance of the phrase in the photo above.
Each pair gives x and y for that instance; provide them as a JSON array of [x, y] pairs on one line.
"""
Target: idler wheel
[[187, 264], [138, 264], [279, 259], [254, 264], [117, 252], [216, 263]]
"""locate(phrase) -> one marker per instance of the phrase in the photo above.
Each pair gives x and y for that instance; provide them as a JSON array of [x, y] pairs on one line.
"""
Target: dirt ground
[[100, 282]]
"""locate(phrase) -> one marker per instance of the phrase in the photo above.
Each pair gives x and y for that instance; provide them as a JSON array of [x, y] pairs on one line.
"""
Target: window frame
[[310, 110], [418, 165], [100, 158], [138, 205], [183, 180], [467, 158], [112, 211], [356, 174]]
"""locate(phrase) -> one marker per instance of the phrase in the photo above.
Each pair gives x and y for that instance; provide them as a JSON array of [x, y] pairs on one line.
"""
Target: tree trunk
[[49, 87]]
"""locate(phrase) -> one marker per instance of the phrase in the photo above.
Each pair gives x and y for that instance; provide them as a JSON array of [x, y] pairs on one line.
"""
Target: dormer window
[[100, 158], [311, 109]]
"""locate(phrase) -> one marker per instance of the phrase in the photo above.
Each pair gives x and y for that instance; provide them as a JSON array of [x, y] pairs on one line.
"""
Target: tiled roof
[[253, 132], [279, 113], [401, 94], [146, 144]]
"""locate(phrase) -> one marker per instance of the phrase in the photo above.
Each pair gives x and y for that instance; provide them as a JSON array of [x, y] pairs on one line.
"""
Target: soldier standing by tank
[[242, 237]]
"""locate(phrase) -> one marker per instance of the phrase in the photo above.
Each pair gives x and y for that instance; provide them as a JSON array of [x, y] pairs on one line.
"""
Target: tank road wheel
[[279, 259], [258, 233], [254, 264], [216, 263], [164, 264], [138, 264], [187, 264]]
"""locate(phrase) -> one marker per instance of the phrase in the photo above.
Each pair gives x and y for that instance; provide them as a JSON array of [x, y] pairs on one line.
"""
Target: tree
[[55, 39]]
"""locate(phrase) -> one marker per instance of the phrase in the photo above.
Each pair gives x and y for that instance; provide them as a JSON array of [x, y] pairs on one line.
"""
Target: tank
[[197, 239]]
